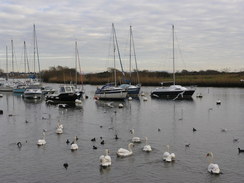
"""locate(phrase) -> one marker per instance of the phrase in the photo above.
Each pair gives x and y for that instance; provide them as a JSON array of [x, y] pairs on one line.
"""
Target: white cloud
[[209, 32]]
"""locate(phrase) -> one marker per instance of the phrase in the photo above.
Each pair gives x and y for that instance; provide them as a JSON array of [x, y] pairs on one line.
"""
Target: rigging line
[[117, 45], [134, 50], [180, 52]]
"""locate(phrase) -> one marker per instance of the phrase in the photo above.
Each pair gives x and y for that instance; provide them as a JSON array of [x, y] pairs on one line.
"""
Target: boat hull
[[173, 93], [111, 95], [64, 97]]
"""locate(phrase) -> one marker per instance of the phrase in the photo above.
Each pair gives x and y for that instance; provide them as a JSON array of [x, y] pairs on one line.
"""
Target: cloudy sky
[[209, 33]]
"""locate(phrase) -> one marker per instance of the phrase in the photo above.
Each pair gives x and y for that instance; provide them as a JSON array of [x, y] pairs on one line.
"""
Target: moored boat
[[110, 92], [66, 93]]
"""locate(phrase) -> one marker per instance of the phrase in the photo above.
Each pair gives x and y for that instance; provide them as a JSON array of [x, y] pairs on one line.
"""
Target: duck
[[194, 129], [42, 141], [240, 150], [147, 147], [66, 165], [74, 145], [168, 157], [93, 139], [105, 160], [19, 144], [218, 102], [135, 139], [212, 168], [124, 152]]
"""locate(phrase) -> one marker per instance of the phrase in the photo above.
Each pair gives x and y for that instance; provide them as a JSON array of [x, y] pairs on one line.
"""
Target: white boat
[[110, 92], [33, 92], [174, 91]]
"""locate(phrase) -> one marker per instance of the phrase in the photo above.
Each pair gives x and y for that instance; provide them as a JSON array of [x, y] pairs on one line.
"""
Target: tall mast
[[173, 55], [117, 45], [25, 56], [134, 51], [130, 51], [12, 46], [76, 63], [34, 43], [114, 49], [7, 62]]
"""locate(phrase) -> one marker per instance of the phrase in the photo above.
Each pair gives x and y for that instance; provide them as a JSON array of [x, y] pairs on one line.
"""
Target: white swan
[[59, 130], [135, 139], [105, 160], [74, 145], [121, 105], [147, 147], [42, 141], [59, 125], [124, 152], [168, 157], [144, 98], [212, 168]]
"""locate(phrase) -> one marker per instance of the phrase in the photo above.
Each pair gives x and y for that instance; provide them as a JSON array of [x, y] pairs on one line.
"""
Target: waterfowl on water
[[93, 139], [19, 144], [124, 152], [105, 160], [67, 141], [240, 150], [42, 141], [135, 139], [74, 145], [212, 168], [66, 165], [168, 157], [147, 147], [102, 142], [194, 129]]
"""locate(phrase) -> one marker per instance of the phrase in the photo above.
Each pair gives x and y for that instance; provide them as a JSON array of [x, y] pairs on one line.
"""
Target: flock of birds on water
[[106, 161]]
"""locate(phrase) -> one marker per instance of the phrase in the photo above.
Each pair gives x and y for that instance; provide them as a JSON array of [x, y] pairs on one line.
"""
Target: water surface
[[175, 119]]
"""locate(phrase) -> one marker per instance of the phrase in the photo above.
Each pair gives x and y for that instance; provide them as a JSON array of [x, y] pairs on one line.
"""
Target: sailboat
[[133, 90], [174, 91], [33, 91], [111, 91]]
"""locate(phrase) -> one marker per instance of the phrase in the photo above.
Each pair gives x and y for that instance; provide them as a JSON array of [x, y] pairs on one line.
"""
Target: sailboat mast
[[173, 54], [12, 45], [76, 63], [7, 62], [134, 51], [34, 43], [130, 51], [114, 49], [117, 45], [25, 56]]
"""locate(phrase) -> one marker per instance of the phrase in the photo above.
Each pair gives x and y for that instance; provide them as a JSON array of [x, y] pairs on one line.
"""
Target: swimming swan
[[212, 168], [105, 160], [124, 152], [147, 147], [168, 157], [135, 139], [74, 145], [42, 141]]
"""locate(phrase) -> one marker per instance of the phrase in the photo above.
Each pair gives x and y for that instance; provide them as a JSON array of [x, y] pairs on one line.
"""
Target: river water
[[23, 121]]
